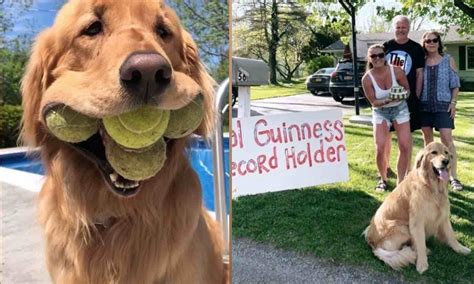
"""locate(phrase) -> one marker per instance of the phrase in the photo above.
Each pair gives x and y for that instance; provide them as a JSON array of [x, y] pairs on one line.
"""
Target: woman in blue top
[[379, 78], [438, 99]]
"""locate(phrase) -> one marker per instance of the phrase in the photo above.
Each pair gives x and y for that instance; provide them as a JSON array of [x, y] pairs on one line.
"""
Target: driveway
[[299, 103]]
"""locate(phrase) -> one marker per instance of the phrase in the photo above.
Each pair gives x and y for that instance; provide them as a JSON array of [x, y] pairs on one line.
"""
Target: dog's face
[[434, 161], [105, 57]]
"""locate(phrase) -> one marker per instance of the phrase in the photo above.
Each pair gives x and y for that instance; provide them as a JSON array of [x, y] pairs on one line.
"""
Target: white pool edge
[[20, 179]]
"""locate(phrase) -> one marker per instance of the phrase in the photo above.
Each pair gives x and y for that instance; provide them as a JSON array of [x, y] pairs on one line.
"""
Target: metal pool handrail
[[222, 100]]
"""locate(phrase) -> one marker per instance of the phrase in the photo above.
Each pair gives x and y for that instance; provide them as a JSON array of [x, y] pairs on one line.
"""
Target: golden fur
[[417, 209], [160, 235]]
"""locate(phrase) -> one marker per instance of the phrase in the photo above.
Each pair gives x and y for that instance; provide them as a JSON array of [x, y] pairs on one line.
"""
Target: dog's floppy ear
[[35, 81], [197, 71], [419, 159]]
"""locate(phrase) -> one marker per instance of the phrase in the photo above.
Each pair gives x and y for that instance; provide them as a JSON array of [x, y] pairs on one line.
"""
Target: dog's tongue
[[443, 174]]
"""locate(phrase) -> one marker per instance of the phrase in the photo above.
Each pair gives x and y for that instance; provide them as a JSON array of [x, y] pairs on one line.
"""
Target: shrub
[[10, 117], [317, 63]]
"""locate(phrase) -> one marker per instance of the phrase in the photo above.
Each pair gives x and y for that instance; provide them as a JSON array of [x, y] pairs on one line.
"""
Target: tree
[[291, 52], [13, 56], [260, 29], [208, 22], [12, 64], [447, 13]]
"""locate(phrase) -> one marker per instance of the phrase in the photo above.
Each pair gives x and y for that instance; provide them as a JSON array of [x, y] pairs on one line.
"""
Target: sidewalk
[[260, 263]]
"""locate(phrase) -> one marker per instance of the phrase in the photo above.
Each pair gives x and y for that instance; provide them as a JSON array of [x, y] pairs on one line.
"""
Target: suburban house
[[461, 48]]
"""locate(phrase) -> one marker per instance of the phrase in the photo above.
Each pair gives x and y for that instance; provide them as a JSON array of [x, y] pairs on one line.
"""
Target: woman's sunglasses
[[435, 40], [379, 55]]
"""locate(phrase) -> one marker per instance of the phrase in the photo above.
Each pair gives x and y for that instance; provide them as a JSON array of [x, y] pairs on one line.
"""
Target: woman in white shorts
[[377, 82]]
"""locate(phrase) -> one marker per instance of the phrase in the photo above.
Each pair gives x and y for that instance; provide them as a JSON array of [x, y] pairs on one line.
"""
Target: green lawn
[[272, 91], [327, 221]]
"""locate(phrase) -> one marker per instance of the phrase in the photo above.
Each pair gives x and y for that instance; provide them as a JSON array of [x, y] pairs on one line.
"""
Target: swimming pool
[[200, 155]]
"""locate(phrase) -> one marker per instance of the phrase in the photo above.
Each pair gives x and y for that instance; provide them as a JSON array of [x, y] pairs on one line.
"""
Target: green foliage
[[10, 117], [317, 63], [12, 65], [208, 22], [446, 13], [273, 32]]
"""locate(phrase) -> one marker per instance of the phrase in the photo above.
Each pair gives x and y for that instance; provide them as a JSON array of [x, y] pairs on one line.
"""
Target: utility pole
[[350, 9]]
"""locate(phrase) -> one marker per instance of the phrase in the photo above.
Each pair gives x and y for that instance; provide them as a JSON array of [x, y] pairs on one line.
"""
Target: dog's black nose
[[145, 74], [445, 162]]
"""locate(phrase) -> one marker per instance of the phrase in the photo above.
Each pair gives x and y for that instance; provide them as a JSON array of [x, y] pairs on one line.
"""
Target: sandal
[[381, 186], [456, 185]]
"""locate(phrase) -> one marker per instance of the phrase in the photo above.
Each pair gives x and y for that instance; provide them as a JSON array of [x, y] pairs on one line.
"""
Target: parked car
[[341, 84], [319, 81]]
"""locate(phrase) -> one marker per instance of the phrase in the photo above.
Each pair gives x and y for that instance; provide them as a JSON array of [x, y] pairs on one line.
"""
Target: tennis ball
[[139, 128], [185, 120], [136, 164], [69, 125]]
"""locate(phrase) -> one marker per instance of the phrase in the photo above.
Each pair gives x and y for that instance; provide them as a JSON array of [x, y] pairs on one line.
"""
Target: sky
[[33, 19]]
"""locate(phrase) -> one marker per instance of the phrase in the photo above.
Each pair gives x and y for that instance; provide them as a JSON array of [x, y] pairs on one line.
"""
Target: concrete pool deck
[[22, 249], [22, 244]]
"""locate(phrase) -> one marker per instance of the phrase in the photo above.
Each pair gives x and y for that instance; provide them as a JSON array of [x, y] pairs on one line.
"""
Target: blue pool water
[[200, 156]]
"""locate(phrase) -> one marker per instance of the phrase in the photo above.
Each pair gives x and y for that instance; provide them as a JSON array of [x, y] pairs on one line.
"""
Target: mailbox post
[[246, 73]]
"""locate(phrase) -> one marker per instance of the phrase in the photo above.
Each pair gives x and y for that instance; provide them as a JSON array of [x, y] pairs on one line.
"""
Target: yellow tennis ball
[[139, 128], [69, 125], [185, 120], [136, 165]]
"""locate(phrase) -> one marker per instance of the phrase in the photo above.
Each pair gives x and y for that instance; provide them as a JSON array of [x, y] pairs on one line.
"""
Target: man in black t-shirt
[[408, 55]]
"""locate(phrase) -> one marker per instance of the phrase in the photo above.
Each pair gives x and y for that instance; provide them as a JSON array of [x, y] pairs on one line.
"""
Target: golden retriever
[[97, 231], [417, 209]]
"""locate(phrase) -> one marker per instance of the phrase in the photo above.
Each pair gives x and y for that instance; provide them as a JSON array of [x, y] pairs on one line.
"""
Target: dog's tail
[[366, 232], [398, 258]]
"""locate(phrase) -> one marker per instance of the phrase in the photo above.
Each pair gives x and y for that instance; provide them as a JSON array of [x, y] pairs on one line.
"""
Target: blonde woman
[[379, 78], [439, 97]]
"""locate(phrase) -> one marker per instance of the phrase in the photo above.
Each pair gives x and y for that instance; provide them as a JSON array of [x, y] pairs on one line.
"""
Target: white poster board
[[278, 152]]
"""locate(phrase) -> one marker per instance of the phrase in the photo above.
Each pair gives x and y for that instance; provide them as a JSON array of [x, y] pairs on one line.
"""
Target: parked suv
[[341, 84], [319, 81]]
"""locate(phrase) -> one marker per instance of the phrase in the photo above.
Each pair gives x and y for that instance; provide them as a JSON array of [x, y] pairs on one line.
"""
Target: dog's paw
[[421, 266], [463, 250]]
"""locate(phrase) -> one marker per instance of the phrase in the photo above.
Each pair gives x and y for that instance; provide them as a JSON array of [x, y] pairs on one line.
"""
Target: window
[[470, 57]]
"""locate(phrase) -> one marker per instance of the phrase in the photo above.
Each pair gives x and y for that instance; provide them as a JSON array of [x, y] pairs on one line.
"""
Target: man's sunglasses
[[435, 40], [379, 55]]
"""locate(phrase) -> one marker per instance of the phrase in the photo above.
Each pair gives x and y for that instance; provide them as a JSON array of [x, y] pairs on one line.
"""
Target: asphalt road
[[261, 263]]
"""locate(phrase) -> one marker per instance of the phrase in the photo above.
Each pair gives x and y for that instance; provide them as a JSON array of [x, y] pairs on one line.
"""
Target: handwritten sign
[[278, 152]]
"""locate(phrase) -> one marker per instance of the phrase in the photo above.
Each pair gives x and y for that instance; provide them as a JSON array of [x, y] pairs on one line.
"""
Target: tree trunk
[[273, 44]]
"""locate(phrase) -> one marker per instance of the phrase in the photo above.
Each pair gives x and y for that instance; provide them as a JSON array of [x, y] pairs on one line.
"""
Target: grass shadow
[[327, 222]]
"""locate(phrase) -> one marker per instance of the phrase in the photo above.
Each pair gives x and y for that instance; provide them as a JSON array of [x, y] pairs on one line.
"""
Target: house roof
[[366, 40], [335, 46]]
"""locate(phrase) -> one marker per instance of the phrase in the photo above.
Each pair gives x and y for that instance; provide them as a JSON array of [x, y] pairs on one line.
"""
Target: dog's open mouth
[[128, 148], [441, 173], [94, 149], [101, 149]]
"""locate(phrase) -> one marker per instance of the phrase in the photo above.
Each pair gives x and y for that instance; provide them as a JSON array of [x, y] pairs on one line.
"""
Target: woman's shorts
[[399, 113], [437, 120]]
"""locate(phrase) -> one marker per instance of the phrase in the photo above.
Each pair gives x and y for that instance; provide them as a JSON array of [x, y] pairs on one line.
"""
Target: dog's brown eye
[[434, 152], [162, 32], [94, 29]]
